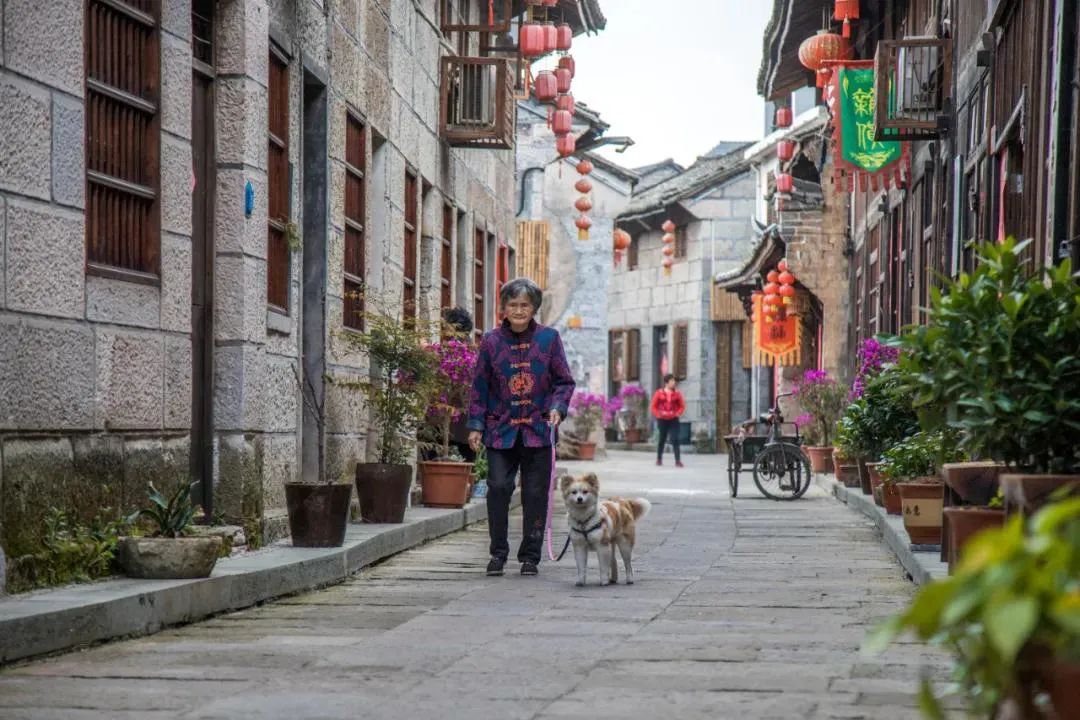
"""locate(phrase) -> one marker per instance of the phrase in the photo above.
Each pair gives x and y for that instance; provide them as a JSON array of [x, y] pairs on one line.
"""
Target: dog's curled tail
[[640, 507]]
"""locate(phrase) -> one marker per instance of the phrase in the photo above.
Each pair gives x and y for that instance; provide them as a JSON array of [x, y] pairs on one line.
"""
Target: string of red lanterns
[[583, 203], [778, 293], [668, 247]]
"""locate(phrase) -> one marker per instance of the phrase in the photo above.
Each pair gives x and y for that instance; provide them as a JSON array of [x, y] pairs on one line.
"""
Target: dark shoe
[[659, 462], [679, 464], [529, 568], [495, 567]]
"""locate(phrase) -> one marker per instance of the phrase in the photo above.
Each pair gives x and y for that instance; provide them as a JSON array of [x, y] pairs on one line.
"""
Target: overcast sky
[[677, 76]]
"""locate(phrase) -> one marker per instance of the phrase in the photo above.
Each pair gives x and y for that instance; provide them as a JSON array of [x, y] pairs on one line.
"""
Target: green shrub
[[70, 552]]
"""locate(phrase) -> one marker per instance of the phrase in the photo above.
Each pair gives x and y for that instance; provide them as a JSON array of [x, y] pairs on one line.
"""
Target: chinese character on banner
[[777, 341], [861, 161]]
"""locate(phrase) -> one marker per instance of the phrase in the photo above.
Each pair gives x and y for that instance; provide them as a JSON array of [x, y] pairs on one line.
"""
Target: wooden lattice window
[[355, 207], [446, 258], [682, 242], [479, 280], [533, 248], [123, 70], [681, 351], [632, 253], [633, 355], [624, 357], [411, 233], [277, 248]]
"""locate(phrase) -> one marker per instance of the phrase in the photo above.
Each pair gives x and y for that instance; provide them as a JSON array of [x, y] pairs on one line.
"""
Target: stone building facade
[[283, 150], [660, 323]]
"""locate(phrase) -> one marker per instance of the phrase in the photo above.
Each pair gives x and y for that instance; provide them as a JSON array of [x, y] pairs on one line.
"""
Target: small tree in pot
[[397, 389], [587, 410], [824, 400], [445, 480], [635, 403]]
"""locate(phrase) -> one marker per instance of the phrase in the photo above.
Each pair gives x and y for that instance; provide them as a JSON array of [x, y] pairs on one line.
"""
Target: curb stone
[[921, 562], [57, 620]]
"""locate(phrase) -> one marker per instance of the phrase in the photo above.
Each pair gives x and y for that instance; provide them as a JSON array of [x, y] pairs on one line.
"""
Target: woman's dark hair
[[668, 378], [459, 319], [518, 287]]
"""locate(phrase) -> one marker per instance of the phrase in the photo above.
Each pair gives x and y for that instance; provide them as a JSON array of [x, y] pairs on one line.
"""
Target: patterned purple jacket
[[518, 379]]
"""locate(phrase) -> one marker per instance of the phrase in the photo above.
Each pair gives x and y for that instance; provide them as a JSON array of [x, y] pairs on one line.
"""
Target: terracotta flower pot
[[1062, 679], [890, 492], [445, 484], [821, 459], [848, 475], [875, 482], [922, 504], [632, 435], [587, 451], [318, 514], [966, 522], [383, 491], [1027, 493], [864, 477], [975, 483]]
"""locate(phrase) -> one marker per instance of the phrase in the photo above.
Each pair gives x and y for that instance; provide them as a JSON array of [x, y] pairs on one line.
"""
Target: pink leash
[[551, 501]]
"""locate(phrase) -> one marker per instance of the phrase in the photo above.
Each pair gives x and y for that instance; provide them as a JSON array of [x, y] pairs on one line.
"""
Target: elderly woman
[[521, 388]]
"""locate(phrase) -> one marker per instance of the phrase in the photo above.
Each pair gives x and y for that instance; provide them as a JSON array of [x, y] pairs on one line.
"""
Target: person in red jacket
[[668, 406]]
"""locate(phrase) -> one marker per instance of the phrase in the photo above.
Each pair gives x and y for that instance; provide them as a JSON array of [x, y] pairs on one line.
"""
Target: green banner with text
[[858, 146]]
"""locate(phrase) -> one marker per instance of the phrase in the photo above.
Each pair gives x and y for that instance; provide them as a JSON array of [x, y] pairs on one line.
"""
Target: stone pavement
[[742, 609]]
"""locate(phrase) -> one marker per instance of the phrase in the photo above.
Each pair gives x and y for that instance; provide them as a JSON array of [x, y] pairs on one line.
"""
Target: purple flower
[[873, 356]]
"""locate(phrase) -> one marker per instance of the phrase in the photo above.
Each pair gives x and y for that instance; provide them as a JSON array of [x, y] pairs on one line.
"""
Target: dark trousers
[[668, 429], [535, 466]]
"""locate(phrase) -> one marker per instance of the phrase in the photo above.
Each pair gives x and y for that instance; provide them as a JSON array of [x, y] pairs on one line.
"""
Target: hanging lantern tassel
[[583, 224], [847, 28], [668, 262]]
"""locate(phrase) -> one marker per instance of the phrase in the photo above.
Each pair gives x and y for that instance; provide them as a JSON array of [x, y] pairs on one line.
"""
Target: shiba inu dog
[[601, 526]]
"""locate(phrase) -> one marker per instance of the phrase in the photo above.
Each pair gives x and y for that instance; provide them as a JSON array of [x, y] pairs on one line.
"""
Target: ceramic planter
[[383, 491], [875, 482], [964, 523], [848, 475], [587, 451], [445, 484], [632, 435], [890, 492], [921, 505], [318, 514], [974, 483], [864, 477], [1062, 680], [1027, 493], [821, 459], [168, 558]]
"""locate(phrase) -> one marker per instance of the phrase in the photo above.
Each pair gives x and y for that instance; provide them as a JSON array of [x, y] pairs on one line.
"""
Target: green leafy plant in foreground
[[70, 552], [1013, 602]]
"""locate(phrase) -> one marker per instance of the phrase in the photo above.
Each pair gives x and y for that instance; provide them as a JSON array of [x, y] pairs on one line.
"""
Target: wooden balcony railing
[[912, 88], [477, 106]]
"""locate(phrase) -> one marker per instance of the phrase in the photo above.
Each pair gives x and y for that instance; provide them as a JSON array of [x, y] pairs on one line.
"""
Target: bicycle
[[781, 469]]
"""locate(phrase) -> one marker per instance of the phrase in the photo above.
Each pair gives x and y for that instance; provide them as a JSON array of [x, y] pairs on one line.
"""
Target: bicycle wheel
[[782, 472], [733, 472]]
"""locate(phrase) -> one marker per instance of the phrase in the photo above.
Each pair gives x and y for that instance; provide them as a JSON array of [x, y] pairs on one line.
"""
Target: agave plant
[[172, 515]]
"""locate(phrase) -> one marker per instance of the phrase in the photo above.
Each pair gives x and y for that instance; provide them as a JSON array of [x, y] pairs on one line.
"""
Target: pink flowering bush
[[636, 403], [587, 409], [454, 360], [873, 356], [824, 400], [611, 409]]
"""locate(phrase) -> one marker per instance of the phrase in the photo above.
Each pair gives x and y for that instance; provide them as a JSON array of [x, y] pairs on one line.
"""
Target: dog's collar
[[594, 528]]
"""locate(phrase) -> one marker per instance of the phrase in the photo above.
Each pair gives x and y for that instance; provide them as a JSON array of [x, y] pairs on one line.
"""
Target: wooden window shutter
[[682, 241], [748, 344], [277, 251], [479, 281], [616, 352], [409, 289], [355, 206], [633, 355], [123, 128], [632, 254], [446, 258], [682, 343], [532, 251]]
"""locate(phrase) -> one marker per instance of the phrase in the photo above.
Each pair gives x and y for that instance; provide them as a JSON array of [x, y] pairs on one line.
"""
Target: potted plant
[[587, 410], [318, 508], [166, 553], [445, 480], [612, 410], [823, 400], [962, 523], [635, 408], [1010, 617], [914, 462], [397, 390], [999, 358]]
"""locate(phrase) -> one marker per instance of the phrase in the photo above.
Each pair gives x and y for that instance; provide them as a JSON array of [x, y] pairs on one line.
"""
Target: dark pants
[[535, 466], [668, 429]]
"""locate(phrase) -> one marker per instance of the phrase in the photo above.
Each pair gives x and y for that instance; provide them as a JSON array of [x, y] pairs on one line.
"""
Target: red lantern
[[668, 238], [822, 48], [668, 227], [562, 80], [583, 186], [846, 11], [583, 204], [787, 278], [784, 117], [787, 292], [772, 276], [784, 183], [583, 224], [621, 239], [551, 3], [565, 144], [564, 37], [562, 122], [545, 86], [568, 62], [585, 167], [668, 250], [772, 288], [785, 150], [566, 102], [668, 262], [782, 266], [531, 40], [551, 37]]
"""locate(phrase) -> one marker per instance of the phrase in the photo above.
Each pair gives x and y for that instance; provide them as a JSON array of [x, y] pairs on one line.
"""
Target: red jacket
[[668, 405]]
